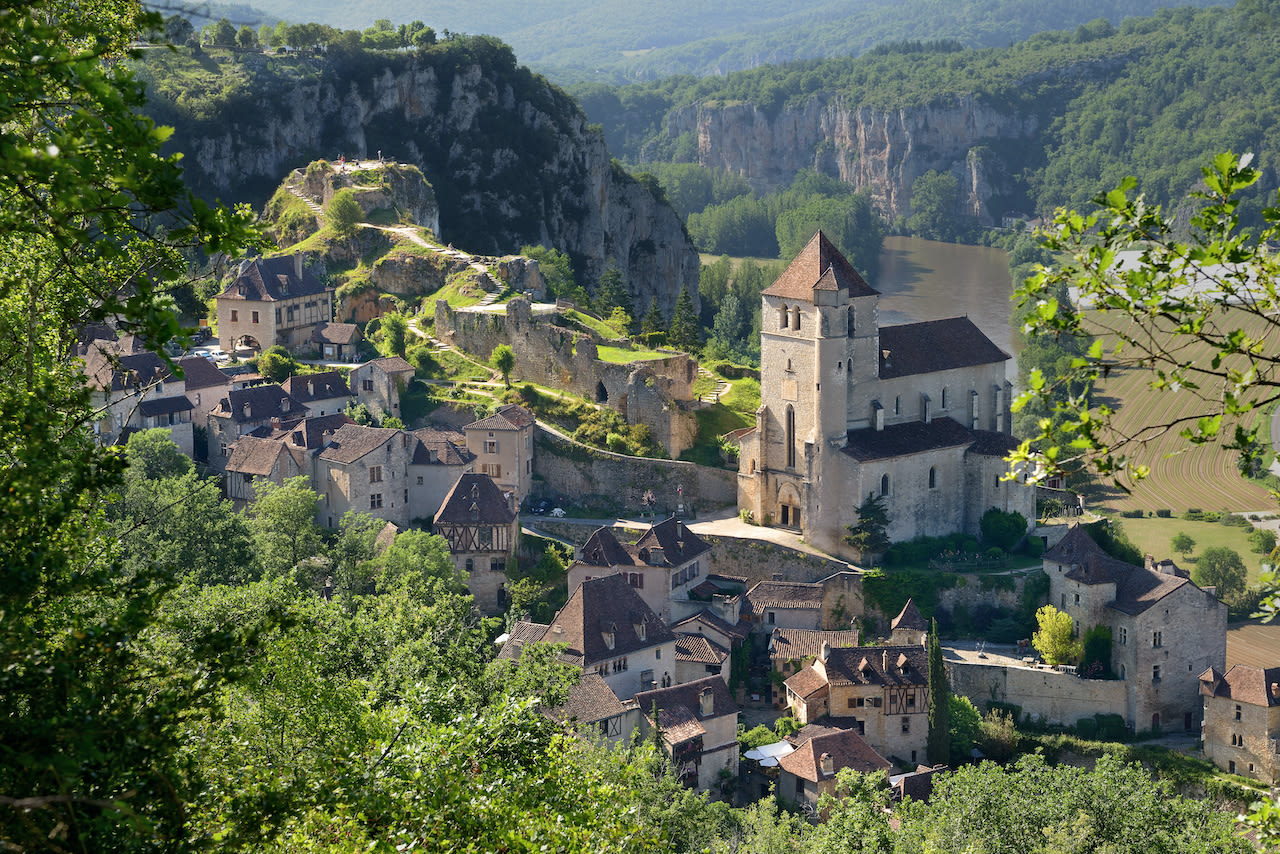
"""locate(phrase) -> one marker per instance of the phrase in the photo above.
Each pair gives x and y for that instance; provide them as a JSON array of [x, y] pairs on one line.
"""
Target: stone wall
[[570, 469], [1046, 695], [969, 592], [655, 393]]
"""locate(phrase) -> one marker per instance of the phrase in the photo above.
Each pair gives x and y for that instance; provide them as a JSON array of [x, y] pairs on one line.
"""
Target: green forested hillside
[[616, 41], [1153, 97]]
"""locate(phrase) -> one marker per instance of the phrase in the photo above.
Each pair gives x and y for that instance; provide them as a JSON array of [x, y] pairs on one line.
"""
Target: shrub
[[1164, 513], [1087, 728], [1002, 529]]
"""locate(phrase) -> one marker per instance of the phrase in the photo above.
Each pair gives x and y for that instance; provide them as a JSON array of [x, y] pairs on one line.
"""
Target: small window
[[1157, 639], [471, 565], [771, 618], [1155, 673], [255, 317], [1077, 598], [853, 703], [897, 405], [933, 478], [375, 474], [235, 316], [782, 317], [419, 480], [944, 397], [1124, 636], [1238, 711], [491, 447], [375, 501], [884, 484], [906, 725]]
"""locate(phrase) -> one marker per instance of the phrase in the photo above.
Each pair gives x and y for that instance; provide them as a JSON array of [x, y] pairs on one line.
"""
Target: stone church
[[917, 413]]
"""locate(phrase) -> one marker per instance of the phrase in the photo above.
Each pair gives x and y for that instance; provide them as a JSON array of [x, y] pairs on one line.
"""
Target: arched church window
[[944, 397], [933, 477], [789, 368], [796, 317], [791, 437], [782, 317], [897, 405], [884, 484]]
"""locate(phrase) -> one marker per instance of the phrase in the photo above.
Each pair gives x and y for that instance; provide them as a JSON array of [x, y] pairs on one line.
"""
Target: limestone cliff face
[[510, 157], [883, 150]]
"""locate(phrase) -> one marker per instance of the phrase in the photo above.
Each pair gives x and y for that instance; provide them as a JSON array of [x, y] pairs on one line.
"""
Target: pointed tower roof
[[819, 267], [910, 618]]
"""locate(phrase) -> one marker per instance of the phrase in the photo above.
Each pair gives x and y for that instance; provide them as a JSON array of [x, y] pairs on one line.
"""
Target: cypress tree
[[683, 332], [939, 745]]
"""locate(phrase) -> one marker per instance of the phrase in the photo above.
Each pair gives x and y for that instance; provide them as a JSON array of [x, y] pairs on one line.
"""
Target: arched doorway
[[602, 393], [246, 342], [1155, 722], [788, 506]]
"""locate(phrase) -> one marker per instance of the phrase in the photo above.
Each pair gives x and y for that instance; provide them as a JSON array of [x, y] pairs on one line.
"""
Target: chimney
[[284, 404], [706, 703], [558, 632], [1148, 562], [828, 764], [825, 652], [311, 388], [297, 265], [884, 661], [246, 409], [275, 423], [657, 557]]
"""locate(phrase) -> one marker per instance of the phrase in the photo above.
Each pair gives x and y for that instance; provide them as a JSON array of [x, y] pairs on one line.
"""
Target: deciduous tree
[[1182, 544], [1054, 639], [343, 214], [1223, 568], [503, 360]]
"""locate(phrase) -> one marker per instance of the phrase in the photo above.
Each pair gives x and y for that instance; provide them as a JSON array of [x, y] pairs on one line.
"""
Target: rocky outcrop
[[883, 150], [397, 187], [511, 158]]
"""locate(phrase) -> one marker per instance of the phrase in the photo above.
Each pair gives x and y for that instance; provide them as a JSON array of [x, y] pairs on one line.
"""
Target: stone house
[[715, 628], [365, 469], [379, 383], [136, 391], [503, 446], [272, 301], [1241, 730], [698, 656], [595, 711], [809, 772], [663, 565], [483, 530], [253, 458], [789, 604], [792, 650], [699, 724], [884, 690], [244, 410], [206, 384], [917, 414], [909, 627], [336, 342], [325, 393], [440, 458], [1165, 631]]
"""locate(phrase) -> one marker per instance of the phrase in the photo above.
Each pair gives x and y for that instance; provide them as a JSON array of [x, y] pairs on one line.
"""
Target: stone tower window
[[944, 397], [795, 317], [933, 478], [897, 405], [851, 321], [884, 484], [782, 317], [791, 437]]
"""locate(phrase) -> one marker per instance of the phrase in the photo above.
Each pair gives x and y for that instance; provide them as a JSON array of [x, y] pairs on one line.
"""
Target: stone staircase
[[713, 397], [309, 202]]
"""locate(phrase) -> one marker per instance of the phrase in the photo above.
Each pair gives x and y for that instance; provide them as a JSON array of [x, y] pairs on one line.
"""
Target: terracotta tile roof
[[909, 618], [321, 386], [590, 700], [391, 365], [259, 403], [350, 442], [606, 604], [271, 279], [679, 708], [846, 749], [509, 417], [153, 406], [782, 594], [878, 665], [807, 684], [825, 726], [818, 266], [475, 498], [705, 618], [199, 373], [697, 648], [1253, 685], [440, 447], [335, 333], [911, 437], [786, 644], [521, 634], [251, 455], [935, 345]]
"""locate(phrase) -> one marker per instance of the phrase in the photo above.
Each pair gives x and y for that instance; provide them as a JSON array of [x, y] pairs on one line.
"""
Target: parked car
[[558, 512]]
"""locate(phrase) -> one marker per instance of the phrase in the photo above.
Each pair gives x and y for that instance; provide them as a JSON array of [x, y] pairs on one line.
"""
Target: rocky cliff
[[882, 150], [510, 157]]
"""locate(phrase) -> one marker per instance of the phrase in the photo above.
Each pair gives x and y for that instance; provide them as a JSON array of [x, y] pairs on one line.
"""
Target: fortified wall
[[1047, 696], [656, 393]]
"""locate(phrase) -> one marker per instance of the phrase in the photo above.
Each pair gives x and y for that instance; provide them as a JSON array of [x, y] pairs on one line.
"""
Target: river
[[927, 280]]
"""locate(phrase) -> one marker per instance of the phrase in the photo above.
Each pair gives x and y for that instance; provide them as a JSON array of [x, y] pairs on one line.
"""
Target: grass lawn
[[460, 292], [737, 408], [449, 365], [597, 326], [623, 356], [1152, 536]]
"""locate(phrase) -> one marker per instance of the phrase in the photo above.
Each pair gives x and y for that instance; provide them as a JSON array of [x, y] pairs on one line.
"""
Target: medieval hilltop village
[[697, 597]]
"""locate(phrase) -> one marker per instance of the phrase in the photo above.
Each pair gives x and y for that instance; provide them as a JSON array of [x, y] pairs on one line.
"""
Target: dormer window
[[610, 636]]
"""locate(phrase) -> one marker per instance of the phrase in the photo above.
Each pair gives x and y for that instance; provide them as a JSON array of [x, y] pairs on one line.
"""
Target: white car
[[202, 353], [219, 355], [558, 512]]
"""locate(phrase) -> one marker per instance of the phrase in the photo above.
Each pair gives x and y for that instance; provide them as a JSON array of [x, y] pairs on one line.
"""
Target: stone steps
[[311, 203], [713, 397]]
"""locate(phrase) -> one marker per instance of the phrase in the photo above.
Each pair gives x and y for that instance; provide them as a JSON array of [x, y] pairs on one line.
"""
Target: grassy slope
[[1152, 536]]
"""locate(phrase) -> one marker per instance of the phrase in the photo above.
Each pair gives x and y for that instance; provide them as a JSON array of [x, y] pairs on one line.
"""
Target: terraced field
[[1182, 476]]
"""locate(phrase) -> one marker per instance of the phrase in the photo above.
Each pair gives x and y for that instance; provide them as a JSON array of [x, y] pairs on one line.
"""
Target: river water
[[927, 280]]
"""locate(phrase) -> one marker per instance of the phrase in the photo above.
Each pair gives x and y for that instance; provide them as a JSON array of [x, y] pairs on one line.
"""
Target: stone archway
[[602, 393], [788, 506], [246, 342]]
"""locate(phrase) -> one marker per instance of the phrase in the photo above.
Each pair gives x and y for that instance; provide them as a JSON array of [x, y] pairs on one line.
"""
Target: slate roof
[[590, 700], [786, 644], [252, 455], [679, 710], [694, 625], [127, 372], [263, 401], [305, 432], [335, 333], [781, 594], [1247, 684], [990, 443], [885, 665], [678, 543], [350, 442], [165, 405], [846, 748], [600, 605], [696, 648], [807, 683], [521, 634], [935, 345], [475, 499], [911, 437], [509, 417], [819, 266], [199, 373], [1137, 588], [440, 447], [271, 279], [908, 618], [603, 549], [321, 386]]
